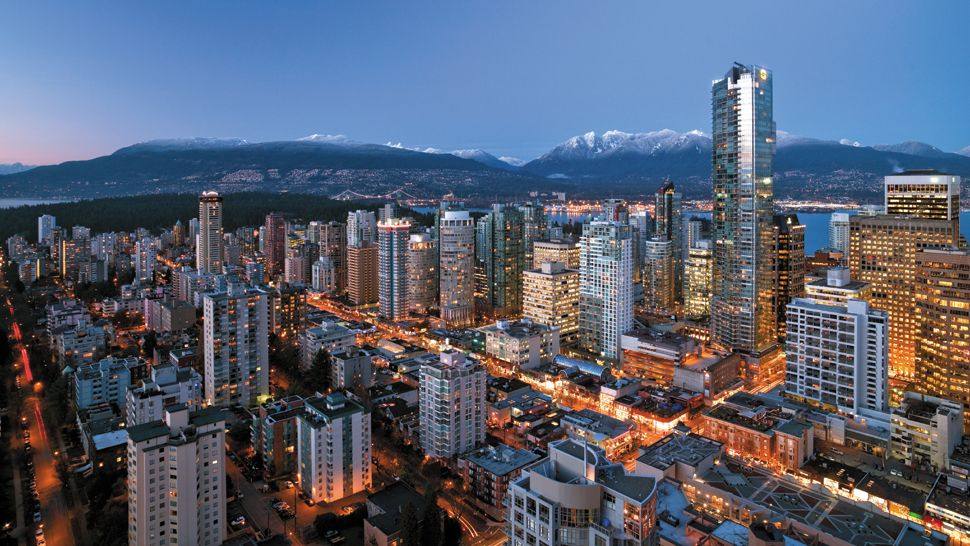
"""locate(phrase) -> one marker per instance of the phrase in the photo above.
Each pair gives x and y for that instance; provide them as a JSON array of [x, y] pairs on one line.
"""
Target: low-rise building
[[609, 434], [107, 381], [382, 526], [168, 385], [329, 336], [351, 368], [924, 431], [486, 473], [654, 354], [273, 435], [679, 456], [523, 343], [77, 344]]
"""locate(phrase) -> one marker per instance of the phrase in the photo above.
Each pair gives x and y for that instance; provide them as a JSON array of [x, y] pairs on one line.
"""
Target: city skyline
[[515, 89]]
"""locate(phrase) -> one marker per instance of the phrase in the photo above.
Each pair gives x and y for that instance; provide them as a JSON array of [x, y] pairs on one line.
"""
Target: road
[[257, 510]]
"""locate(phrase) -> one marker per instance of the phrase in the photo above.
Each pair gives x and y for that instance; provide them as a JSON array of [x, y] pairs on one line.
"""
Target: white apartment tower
[[236, 345], [839, 233], [177, 479], [361, 228], [45, 228], [393, 237], [456, 267], [208, 246], [452, 405], [605, 286], [333, 448]]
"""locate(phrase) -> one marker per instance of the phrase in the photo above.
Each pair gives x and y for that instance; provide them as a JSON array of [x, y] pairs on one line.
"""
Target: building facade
[[550, 296], [422, 272], [451, 405], [333, 448], [669, 226], [362, 273], [393, 236], [789, 265], [500, 255], [605, 286], [698, 280], [208, 245], [456, 267], [236, 346]]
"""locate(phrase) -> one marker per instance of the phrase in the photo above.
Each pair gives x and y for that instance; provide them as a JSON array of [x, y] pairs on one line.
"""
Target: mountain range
[[613, 163]]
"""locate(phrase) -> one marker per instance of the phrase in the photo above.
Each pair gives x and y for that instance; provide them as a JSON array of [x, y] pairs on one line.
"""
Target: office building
[[883, 255], [177, 479], [557, 250], [274, 243], [577, 496], [925, 194], [500, 256], [393, 235], [208, 246], [236, 345], [742, 310], [333, 448], [659, 271], [456, 267], [422, 273], [605, 286], [943, 325], [698, 280], [550, 296], [789, 236], [839, 232], [361, 228], [523, 343], [451, 405], [924, 430], [167, 385], [45, 228], [838, 356], [669, 226], [362, 270], [534, 228]]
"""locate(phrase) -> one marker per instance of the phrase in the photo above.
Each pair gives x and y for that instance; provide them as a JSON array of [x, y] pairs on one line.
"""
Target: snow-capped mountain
[[11, 168], [328, 139], [964, 151], [912, 147], [594, 146], [194, 143], [486, 158]]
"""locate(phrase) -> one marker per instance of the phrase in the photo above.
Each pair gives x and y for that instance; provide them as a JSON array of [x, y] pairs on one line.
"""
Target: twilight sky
[[81, 79]]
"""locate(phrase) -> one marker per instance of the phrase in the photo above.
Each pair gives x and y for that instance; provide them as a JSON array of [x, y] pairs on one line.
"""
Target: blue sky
[[81, 79]]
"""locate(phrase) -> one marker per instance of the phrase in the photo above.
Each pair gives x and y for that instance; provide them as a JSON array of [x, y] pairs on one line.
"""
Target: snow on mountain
[[964, 151], [516, 162], [327, 139], [11, 168], [847, 142], [591, 145], [912, 147], [481, 156]]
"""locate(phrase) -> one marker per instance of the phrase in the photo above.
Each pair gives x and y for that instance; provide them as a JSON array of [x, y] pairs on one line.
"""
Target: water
[[14, 203]]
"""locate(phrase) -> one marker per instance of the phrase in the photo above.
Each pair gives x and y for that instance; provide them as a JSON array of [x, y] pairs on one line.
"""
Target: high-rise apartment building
[[274, 244], [669, 225], [605, 286], [288, 307], [362, 268], [331, 237], [501, 257], [557, 250], [323, 275], [452, 405], [144, 258], [883, 255], [789, 265], [923, 194], [698, 277], [456, 267], [742, 311], [659, 270], [550, 296], [578, 496], [422, 270], [208, 246], [333, 448], [534, 228], [361, 228], [45, 226], [177, 479], [393, 237], [943, 326], [837, 355], [839, 232], [236, 345]]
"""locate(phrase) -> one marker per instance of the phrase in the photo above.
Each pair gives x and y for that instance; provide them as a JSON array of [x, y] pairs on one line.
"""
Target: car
[[37, 516], [330, 534], [338, 539], [308, 501], [239, 521], [40, 541], [39, 532], [896, 473]]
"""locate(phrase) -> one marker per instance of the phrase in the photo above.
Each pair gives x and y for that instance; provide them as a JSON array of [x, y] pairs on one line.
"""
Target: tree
[[318, 377], [410, 527], [431, 519], [239, 432], [452, 531]]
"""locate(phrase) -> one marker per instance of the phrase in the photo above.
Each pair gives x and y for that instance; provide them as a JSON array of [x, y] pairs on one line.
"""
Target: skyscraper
[[789, 265], [924, 194], [669, 225], [698, 275], [452, 405], [236, 345], [274, 247], [45, 225], [422, 266], [362, 267], [361, 227], [550, 296], [501, 256], [208, 247], [393, 235], [456, 267], [146, 252], [605, 286], [332, 239], [658, 275], [883, 254], [943, 326], [556, 250], [839, 233], [534, 227], [742, 312]]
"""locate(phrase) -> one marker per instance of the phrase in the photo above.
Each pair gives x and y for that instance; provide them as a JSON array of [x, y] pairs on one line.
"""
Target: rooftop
[[501, 459], [689, 449]]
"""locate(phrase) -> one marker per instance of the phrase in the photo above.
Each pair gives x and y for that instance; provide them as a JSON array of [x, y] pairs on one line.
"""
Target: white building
[[81, 343], [456, 267], [838, 355], [351, 368], [324, 275], [361, 228], [208, 244], [577, 496], [145, 255], [452, 405], [524, 343], [924, 430], [392, 259], [329, 336], [45, 228], [839, 232], [236, 346], [106, 381], [177, 479], [333, 448], [605, 286], [168, 385], [836, 288]]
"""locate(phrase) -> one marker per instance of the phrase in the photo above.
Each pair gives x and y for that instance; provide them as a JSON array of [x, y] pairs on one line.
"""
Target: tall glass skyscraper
[[605, 286], [670, 227], [501, 255], [208, 248], [742, 314]]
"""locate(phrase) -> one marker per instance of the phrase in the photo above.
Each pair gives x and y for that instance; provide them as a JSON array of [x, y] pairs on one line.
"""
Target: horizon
[[499, 78]]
